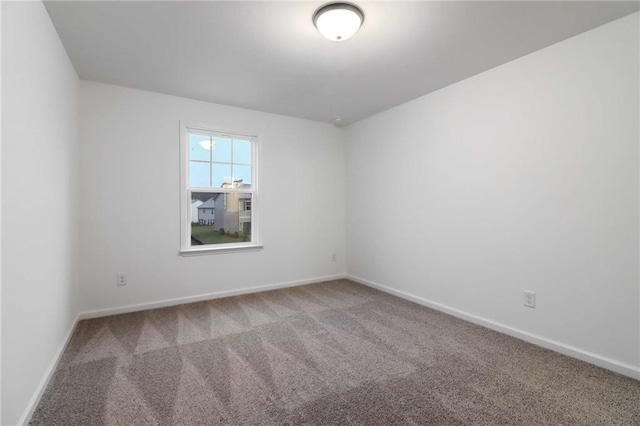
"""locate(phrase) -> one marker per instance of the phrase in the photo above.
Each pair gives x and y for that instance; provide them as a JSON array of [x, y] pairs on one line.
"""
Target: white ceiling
[[268, 56]]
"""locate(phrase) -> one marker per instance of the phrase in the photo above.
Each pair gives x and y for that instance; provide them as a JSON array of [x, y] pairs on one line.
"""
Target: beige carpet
[[333, 353]]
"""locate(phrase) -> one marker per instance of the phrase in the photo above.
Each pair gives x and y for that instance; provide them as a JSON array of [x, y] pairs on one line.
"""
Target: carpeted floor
[[332, 353]]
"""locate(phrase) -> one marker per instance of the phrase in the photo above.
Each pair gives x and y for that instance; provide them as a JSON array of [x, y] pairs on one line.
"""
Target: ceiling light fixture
[[207, 144], [338, 21]]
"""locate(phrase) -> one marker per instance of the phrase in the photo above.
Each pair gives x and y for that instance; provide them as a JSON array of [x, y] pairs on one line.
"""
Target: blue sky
[[228, 160]]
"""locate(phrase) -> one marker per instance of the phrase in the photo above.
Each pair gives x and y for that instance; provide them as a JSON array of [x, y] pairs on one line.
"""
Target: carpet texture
[[333, 353]]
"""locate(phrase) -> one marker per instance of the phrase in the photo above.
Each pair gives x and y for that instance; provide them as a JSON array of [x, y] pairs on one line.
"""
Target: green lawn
[[207, 234]]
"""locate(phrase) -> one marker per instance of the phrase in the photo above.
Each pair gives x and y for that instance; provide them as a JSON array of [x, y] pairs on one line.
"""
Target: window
[[219, 175]]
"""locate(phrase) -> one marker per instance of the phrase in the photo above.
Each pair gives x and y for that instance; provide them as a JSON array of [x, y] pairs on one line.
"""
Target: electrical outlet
[[121, 279], [334, 257], [529, 299]]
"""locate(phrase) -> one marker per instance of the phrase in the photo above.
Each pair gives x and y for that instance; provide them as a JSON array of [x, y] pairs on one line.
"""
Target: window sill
[[219, 250]]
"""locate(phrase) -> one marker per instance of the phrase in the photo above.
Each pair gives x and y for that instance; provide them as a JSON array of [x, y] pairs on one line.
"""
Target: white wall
[[39, 177], [522, 177], [129, 167]]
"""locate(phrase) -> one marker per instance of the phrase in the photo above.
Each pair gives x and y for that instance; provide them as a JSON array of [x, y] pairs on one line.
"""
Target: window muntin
[[216, 161], [219, 189]]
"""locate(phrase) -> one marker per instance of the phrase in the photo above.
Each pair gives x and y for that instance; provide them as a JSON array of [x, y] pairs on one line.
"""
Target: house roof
[[237, 184], [240, 185], [209, 204]]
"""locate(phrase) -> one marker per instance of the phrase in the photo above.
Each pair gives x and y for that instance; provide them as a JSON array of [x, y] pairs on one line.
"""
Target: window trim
[[185, 214]]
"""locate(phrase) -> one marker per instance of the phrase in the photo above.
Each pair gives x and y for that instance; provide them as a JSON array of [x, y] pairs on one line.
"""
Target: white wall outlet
[[334, 257], [121, 279], [529, 299]]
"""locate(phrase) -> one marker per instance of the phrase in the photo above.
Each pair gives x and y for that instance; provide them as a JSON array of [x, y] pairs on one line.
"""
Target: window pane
[[199, 174], [199, 147], [242, 173], [221, 174], [222, 150], [220, 218], [241, 151]]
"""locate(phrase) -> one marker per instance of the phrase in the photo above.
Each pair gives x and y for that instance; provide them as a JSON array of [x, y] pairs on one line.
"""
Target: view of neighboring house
[[206, 212], [234, 210], [194, 210]]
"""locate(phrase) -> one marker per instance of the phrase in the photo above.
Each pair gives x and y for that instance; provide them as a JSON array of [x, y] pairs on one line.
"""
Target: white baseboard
[[590, 357], [35, 399], [610, 364], [199, 298]]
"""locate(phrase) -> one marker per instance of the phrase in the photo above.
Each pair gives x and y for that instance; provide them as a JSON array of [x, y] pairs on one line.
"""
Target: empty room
[[320, 213]]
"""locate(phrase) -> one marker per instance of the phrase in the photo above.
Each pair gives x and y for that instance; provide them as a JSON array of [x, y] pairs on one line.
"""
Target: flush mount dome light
[[338, 21], [207, 144]]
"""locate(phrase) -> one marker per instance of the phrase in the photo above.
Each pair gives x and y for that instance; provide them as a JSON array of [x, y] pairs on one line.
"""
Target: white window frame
[[185, 191]]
